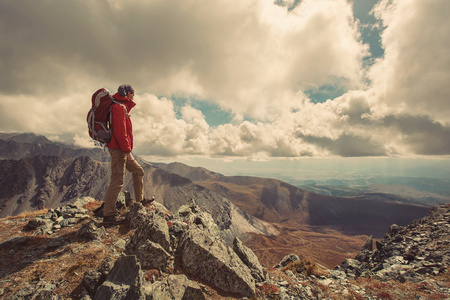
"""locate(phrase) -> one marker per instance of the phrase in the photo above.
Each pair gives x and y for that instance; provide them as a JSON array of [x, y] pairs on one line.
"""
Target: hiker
[[120, 148]]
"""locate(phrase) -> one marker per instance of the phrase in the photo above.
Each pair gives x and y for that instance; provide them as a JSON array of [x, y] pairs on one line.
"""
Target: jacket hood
[[124, 100]]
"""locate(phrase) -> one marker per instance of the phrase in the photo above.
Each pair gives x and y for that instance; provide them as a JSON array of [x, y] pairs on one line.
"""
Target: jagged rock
[[155, 229], [352, 267], [71, 211], [82, 201], [176, 287], [68, 222], [107, 266], [152, 255], [40, 225], [177, 228], [51, 214], [191, 213], [366, 251], [139, 215], [290, 258], [38, 222], [249, 259], [161, 210], [92, 279], [90, 231], [407, 253], [209, 258], [120, 243], [125, 281]]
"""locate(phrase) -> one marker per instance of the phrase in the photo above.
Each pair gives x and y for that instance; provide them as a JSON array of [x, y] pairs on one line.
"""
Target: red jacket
[[121, 124]]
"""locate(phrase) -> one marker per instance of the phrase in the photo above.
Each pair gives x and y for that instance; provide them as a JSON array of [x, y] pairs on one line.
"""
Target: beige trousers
[[119, 163]]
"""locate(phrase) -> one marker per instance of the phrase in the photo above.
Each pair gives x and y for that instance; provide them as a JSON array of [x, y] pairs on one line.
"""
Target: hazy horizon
[[318, 169]]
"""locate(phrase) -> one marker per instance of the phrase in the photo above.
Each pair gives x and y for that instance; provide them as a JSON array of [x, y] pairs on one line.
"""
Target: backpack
[[99, 116]]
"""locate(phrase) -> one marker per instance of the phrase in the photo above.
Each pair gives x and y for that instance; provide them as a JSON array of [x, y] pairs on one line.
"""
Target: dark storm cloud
[[43, 40], [347, 145], [421, 133]]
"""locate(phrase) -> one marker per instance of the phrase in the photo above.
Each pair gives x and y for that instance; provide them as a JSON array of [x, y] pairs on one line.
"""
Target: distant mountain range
[[396, 192], [44, 174], [35, 173], [19, 145], [276, 201]]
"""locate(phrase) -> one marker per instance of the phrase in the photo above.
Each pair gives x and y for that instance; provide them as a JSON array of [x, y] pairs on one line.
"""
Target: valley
[[320, 223]]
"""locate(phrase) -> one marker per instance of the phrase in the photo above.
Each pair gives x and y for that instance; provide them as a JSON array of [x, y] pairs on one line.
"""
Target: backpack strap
[[110, 114], [117, 102]]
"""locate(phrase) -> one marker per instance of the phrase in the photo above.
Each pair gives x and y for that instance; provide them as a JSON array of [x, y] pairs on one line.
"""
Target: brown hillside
[[321, 245], [276, 201]]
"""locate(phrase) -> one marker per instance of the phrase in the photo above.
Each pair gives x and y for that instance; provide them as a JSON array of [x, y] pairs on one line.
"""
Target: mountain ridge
[[65, 253], [34, 182], [268, 208], [273, 200]]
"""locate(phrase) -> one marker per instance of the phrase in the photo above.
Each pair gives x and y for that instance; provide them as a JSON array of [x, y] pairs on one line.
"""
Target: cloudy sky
[[251, 79]]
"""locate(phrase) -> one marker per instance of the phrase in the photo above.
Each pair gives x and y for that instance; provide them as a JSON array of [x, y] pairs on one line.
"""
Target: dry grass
[[304, 267], [62, 259], [396, 290], [27, 214], [59, 258], [322, 246]]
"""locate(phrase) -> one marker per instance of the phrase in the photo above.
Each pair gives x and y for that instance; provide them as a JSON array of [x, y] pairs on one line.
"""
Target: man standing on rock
[[120, 148]]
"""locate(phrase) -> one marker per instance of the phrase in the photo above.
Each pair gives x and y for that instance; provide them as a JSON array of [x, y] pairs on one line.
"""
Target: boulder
[[80, 202], [249, 259], [210, 259], [352, 267], [177, 287], [92, 279], [125, 281], [139, 215], [154, 229], [290, 258], [152, 255], [366, 251], [39, 223], [91, 231]]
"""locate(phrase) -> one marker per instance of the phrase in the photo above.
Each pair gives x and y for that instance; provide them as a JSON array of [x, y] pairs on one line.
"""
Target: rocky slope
[[66, 253], [48, 181], [36, 172], [34, 182]]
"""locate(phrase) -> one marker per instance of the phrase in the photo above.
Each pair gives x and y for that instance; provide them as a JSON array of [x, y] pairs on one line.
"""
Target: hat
[[124, 89]]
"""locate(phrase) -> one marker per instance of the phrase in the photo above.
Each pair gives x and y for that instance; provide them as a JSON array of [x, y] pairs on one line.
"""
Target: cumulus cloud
[[255, 59], [413, 76]]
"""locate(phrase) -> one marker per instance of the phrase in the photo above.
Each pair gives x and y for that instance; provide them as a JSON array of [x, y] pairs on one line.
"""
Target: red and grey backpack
[[99, 116]]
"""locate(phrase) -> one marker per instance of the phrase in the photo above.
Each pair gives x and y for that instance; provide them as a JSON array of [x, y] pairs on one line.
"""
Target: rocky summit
[[408, 253], [67, 253]]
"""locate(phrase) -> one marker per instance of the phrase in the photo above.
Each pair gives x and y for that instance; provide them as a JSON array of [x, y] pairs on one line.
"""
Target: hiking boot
[[112, 220]]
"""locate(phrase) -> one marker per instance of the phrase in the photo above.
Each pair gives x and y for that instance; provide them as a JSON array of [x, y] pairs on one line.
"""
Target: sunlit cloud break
[[290, 78]]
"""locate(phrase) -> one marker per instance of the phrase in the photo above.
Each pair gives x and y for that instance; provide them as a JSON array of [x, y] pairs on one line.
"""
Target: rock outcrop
[[407, 253], [182, 255], [210, 259], [195, 243], [124, 281]]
